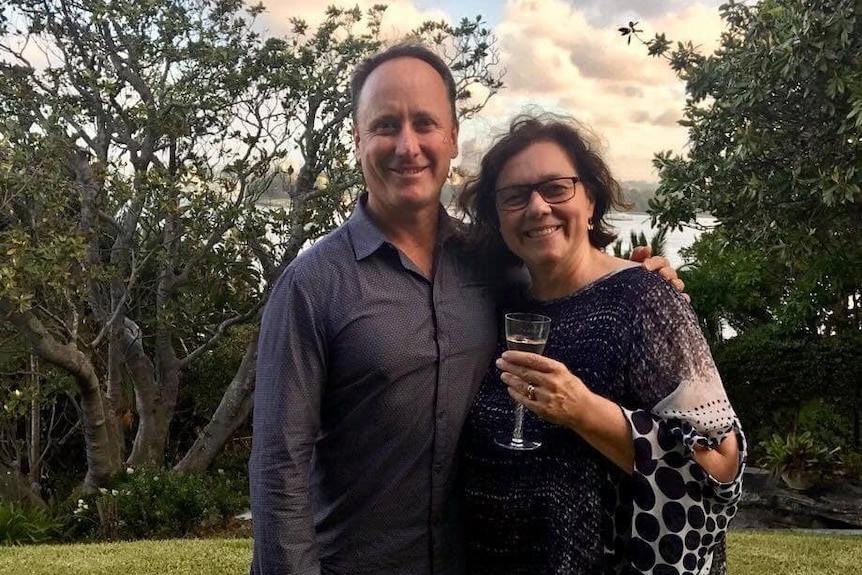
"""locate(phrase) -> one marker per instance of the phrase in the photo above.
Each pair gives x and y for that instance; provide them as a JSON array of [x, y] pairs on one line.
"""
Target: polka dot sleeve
[[679, 512]]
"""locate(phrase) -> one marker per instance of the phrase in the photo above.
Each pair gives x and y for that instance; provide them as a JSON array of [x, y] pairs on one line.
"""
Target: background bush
[[157, 503], [27, 524], [780, 382]]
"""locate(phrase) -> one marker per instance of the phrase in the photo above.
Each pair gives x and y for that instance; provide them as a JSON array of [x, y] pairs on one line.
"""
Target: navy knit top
[[565, 508]]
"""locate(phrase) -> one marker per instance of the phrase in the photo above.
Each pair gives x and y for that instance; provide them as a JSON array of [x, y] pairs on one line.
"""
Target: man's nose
[[408, 142]]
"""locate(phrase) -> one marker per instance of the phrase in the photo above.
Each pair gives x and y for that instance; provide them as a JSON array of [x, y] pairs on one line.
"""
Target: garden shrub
[[27, 524], [156, 503], [780, 382]]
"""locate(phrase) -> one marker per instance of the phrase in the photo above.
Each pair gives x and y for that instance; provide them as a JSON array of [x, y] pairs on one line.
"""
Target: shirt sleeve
[[291, 371], [679, 512]]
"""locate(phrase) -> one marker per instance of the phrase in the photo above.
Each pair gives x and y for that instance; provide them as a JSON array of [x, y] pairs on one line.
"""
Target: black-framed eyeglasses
[[553, 191]]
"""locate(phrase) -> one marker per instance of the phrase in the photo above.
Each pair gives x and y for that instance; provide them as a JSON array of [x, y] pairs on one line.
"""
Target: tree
[[775, 131], [146, 117], [730, 285], [130, 168]]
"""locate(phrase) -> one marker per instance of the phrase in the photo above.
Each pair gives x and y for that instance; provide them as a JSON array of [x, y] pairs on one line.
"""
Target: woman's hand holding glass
[[562, 398], [559, 395]]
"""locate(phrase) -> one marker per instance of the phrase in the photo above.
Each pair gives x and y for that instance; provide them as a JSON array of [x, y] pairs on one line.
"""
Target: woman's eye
[[553, 190]]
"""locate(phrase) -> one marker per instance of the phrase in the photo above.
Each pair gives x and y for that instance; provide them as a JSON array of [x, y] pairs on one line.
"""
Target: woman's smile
[[542, 232]]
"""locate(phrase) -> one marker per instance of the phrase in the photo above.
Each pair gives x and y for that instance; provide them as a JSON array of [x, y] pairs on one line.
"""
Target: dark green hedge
[[779, 381]]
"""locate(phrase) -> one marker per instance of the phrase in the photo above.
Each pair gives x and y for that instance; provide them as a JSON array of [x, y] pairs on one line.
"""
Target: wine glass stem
[[518, 433]]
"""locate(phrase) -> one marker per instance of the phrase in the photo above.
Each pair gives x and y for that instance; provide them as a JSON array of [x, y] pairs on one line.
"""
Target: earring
[[590, 224]]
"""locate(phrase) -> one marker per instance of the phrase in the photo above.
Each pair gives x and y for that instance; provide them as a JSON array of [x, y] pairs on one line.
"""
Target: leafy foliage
[[731, 285], [780, 381], [657, 243], [797, 452], [775, 130], [155, 503], [27, 525]]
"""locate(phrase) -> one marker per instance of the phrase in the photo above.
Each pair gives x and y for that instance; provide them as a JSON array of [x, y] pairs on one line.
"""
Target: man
[[372, 346]]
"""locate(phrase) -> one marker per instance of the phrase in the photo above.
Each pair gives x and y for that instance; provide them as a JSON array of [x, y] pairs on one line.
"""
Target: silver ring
[[531, 392]]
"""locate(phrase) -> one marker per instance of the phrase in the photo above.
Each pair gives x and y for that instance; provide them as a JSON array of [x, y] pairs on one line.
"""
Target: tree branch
[[223, 326]]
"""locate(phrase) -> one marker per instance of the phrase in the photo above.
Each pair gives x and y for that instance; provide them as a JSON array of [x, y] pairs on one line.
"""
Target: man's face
[[405, 136]]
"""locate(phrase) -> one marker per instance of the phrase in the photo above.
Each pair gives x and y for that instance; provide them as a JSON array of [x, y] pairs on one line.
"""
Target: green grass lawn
[[751, 553]]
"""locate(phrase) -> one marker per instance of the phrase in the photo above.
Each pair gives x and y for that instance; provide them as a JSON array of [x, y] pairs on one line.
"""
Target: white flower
[[114, 492], [220, 471], [321, 183], [17, 393], [155, 477], [129, 470], [103, 491]]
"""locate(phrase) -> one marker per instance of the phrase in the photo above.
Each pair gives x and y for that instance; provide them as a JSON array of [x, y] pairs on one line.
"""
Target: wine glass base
[[517, 444]]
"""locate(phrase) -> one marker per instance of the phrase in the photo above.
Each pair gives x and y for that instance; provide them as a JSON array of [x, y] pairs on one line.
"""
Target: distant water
[[626, 222], [622, 222]]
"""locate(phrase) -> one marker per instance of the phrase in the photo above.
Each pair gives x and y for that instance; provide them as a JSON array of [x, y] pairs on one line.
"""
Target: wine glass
[[524, 332]]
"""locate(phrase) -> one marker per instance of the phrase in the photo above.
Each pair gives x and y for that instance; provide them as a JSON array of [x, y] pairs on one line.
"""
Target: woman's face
[[541, 234]]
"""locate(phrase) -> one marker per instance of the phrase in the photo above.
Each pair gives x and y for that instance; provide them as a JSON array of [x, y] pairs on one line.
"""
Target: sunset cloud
[[567, 57], [558, 59]]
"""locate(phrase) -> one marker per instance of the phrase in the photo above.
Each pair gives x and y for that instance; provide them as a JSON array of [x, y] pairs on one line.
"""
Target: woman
[[641, 458]]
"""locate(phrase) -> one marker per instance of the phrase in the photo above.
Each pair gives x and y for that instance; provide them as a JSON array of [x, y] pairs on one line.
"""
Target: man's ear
[[454, 136], [356, 139]]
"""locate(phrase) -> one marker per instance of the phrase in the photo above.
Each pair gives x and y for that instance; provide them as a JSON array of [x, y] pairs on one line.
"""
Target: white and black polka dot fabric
[[679, 513]]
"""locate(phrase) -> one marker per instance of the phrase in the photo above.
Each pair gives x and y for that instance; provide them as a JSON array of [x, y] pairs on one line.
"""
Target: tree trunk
[[231, 413], [147, 449], [34, 429], [103, 454]]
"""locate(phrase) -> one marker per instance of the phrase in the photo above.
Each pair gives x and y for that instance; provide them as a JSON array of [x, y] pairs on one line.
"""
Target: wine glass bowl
[[524, 332]]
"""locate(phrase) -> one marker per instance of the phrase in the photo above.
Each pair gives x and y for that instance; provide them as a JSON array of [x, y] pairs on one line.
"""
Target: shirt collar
[[364, 233], [367, 237]]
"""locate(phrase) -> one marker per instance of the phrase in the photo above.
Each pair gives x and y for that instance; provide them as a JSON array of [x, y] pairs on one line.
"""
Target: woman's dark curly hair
[[477, 198]]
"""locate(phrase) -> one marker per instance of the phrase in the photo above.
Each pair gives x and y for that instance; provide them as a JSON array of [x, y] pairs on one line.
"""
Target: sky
[[566, 56]]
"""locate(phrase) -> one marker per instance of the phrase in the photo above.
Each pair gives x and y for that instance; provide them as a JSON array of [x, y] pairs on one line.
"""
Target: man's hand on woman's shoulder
[[661, 265]]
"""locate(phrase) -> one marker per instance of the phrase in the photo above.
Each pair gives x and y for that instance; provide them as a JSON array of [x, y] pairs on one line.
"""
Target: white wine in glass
[[524, 332]]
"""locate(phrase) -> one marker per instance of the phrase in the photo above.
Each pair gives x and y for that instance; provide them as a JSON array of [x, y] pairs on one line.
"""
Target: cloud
[[558, 57], [620, 12], [567, 57], [400, 17]]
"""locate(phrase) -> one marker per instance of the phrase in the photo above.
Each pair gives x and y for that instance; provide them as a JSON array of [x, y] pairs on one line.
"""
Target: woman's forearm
[[722, 462], [602, 424]]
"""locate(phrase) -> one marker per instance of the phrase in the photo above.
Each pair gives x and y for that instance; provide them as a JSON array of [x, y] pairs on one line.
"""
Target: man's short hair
[[409, 49]]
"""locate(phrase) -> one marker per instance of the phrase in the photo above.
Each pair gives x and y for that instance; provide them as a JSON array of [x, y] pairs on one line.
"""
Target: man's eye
[[386, 127], [424, 124]]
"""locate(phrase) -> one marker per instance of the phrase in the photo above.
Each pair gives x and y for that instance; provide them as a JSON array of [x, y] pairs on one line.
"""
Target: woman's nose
[[536, 204]]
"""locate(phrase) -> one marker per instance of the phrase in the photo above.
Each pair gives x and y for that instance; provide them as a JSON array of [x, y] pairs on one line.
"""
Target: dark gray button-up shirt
[[366, 370]]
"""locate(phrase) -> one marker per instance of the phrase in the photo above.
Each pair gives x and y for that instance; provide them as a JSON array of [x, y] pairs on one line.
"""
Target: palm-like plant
[[657, 243]]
